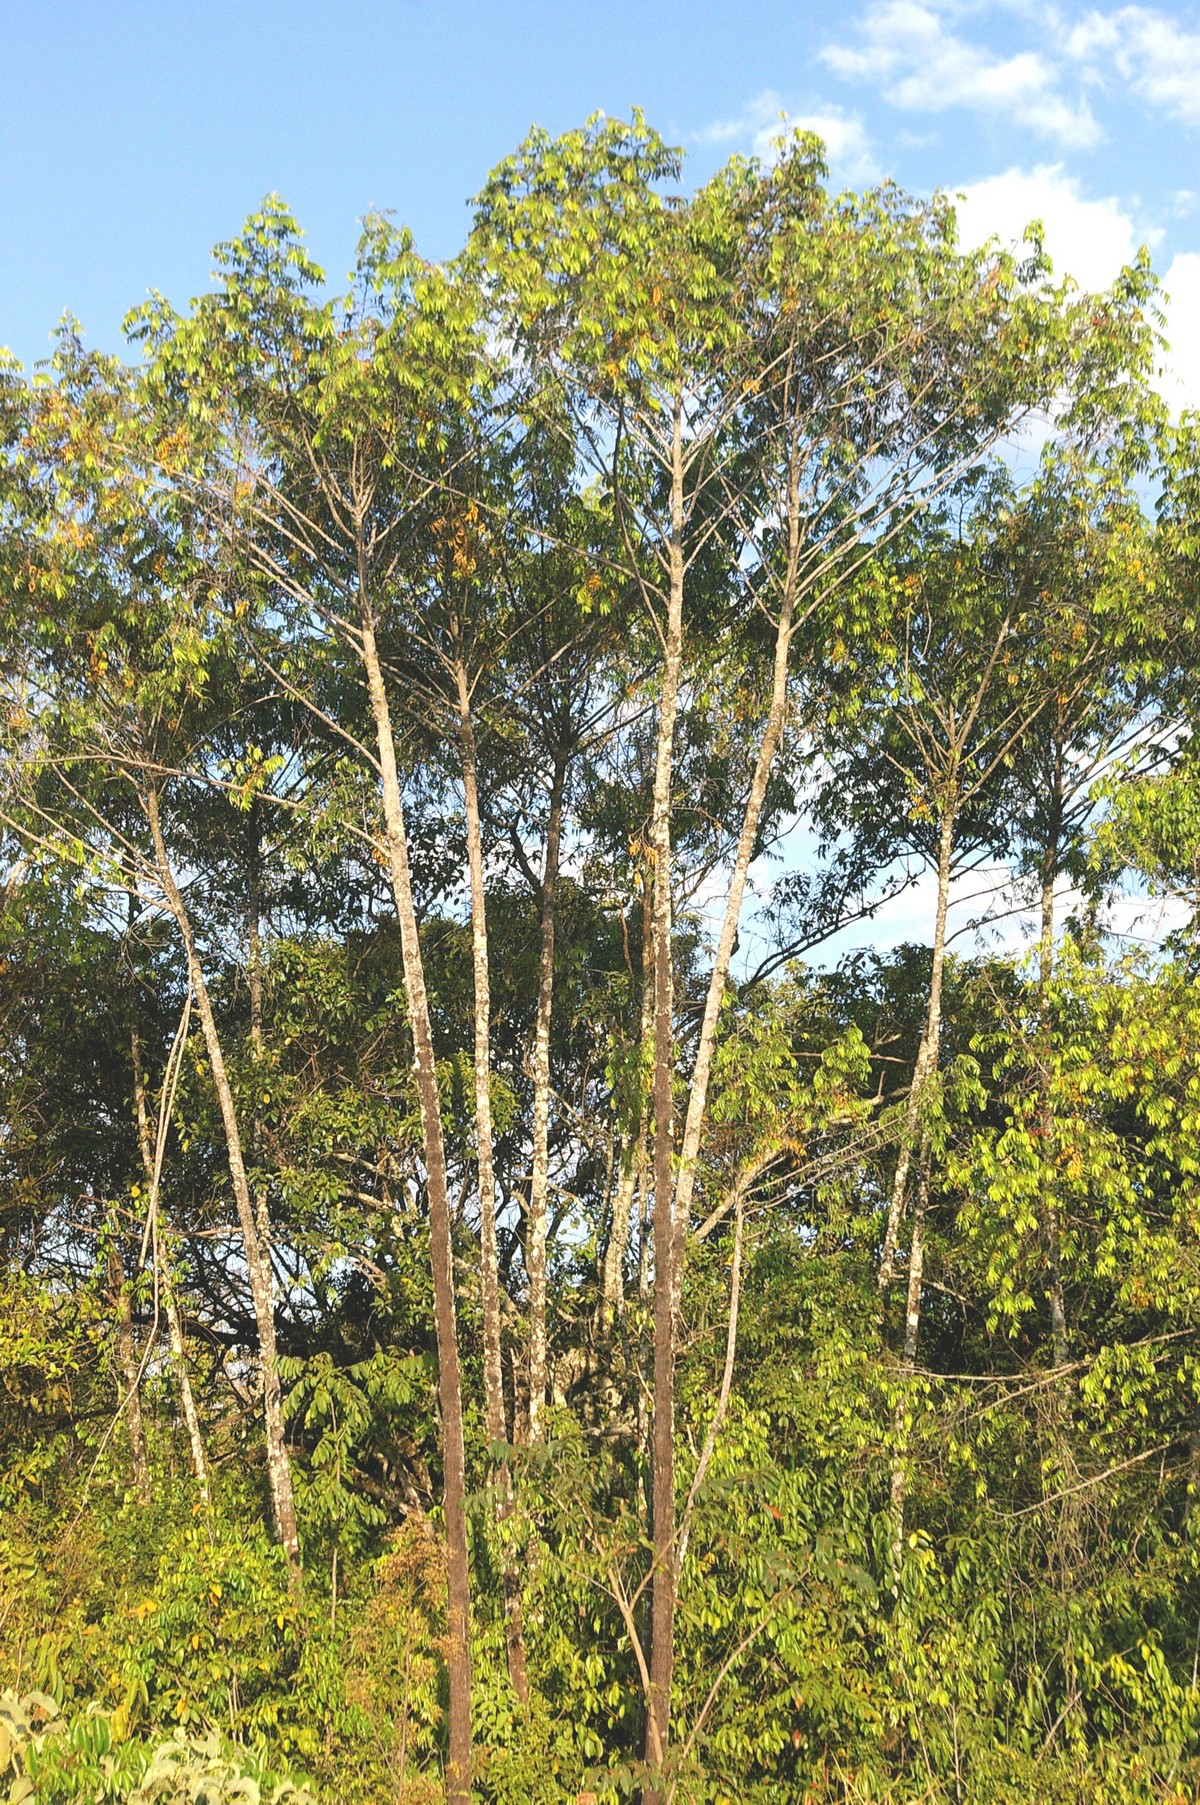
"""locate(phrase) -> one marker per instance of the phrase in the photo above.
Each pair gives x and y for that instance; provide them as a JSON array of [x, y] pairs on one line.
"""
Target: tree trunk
[[629, 1180], [458, 1582], [672, 1198], [1068, 1542], [718, 1417], [254, 982], [702, 1070], [493, 1375], [908, 1360], [258, 1270], [612, 1268], [645, 1235], [772, 735], [662, 1538], [187, 1399], [539, 1185], [925, 1066], [927, 1053], [1058, 1314], [131, 1370]]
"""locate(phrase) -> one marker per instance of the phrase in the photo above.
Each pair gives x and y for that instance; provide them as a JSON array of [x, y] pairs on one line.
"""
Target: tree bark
[[539, 1184], [662, 1537], [131, 1369], [908, 1360], [493, 1375], [458, 1583], [629, 1179], [752, 815], [726, 1386], [673, 1197], [1068, 1541], [258, 1270], [1058, 1314], [254, 982], [925, 1066], [927, 1053], [191, 1416], [612, 1268]]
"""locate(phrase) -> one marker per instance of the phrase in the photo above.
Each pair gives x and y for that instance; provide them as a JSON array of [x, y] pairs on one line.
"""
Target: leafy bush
[[47, 1758]]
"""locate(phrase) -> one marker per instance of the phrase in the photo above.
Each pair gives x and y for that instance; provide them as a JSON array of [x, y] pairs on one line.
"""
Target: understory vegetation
[[600, 1018]]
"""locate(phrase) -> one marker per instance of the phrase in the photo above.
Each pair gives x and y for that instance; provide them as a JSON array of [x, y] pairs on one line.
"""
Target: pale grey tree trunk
[[632, 1168], [539, 1185], [1053, 1228], [662, 1537], [187, 1400], [131, 1367], [257, 1267], [927, 1053], [493, 1373], [458, 1579]]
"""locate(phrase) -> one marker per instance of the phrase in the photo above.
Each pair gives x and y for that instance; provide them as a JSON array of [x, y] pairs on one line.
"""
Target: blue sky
[[134, 135]]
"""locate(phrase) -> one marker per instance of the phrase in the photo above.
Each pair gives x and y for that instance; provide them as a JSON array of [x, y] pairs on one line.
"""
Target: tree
[[760, 409], [112, 707]]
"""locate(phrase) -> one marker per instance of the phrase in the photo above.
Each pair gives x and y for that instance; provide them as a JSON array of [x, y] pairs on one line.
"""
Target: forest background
[[515, 1288]]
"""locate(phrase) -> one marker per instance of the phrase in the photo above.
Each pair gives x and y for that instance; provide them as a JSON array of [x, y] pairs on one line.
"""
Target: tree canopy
[[516, 1288]]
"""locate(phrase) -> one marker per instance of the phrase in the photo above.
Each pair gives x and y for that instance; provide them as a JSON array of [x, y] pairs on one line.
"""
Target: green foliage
[[936, 1543], [49, 1759]]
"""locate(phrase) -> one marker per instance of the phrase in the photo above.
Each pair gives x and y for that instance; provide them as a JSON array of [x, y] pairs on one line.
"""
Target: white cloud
[[919, 61], [847, 145], [1181, 378], [1090, 240], [755, 117], [920, 65], [1150, 51], [765, 121]]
